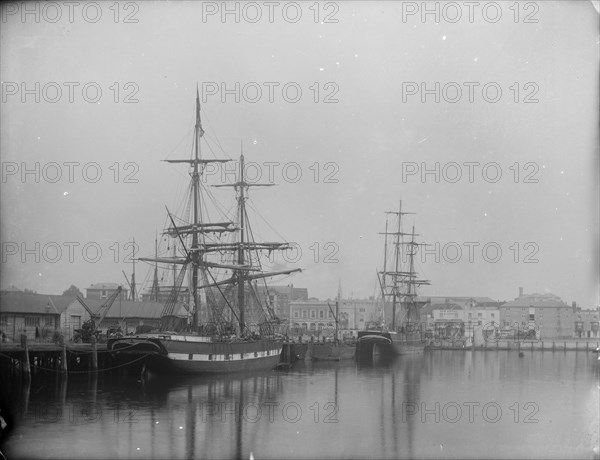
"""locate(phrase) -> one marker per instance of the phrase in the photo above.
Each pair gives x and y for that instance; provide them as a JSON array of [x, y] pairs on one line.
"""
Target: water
[[444, 404]]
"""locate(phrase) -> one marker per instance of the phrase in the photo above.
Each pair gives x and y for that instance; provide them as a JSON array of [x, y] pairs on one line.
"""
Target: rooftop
[[536, 300], [21, 302]]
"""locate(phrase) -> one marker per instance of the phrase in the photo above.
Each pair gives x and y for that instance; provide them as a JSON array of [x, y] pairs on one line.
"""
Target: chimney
[[520, 292]]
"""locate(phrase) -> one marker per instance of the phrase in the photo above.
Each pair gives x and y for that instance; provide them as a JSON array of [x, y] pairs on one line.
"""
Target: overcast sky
[[369, 61]]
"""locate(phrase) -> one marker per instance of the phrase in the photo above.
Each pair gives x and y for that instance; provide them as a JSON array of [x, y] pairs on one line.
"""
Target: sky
[[344, 105]]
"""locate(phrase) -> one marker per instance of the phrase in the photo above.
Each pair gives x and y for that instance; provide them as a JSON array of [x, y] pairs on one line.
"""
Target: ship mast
[[200, 247], [243, 266], [155, 279], [198, 133], [396, 266], [240, 252], [411, 281], [411, 292], [396, 272], [133, 293], [195, 255], [410, 276], [384, 284]]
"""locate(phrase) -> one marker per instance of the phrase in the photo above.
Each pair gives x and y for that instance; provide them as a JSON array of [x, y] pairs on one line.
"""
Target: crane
[[90, 327]]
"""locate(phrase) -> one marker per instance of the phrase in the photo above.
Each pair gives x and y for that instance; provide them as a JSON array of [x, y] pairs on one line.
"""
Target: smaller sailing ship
[[224, 264], [331, 351], [405, 334]]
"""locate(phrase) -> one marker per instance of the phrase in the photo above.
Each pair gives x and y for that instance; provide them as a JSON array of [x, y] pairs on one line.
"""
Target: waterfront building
[[281, 296], [587, 323], [546, 313], [462, 322], [315, 316], [104, 291], [312, 316], [23, 312], [476, 309]]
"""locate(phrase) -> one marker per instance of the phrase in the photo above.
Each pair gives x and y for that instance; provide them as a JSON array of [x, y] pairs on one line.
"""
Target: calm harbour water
[[443, 404]]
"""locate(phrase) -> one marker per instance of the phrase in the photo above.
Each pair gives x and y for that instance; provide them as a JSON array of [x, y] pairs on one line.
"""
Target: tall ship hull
[[389, 343], [197, 354]]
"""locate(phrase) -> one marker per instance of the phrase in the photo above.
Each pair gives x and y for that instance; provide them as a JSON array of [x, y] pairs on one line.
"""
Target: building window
[[362, 310], [76, 321], [329, 315], [531, 317], [103, 295], [321, 314], [32, 321], [313, 314], [304, 314], [296, 314]]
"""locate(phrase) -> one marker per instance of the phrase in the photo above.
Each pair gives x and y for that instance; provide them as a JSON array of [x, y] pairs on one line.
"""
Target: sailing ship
[[336, 351], [223, 264], [405, 334]]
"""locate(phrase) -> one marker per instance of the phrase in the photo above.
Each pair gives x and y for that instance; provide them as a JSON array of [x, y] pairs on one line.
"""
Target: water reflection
[[465, 404]]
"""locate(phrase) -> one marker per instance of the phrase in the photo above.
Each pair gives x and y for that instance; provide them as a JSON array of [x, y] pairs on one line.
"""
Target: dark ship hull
[[197, 354], [389, 343]]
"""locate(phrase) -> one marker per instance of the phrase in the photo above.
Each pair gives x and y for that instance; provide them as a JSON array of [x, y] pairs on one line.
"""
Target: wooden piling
[[26, 364], [94, 354], [63, 359]]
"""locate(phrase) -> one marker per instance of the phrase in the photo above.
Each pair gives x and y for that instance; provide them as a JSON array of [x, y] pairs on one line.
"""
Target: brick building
[[544, 312]]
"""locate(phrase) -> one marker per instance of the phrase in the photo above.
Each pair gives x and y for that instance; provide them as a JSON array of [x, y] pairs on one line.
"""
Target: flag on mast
[[198, 121]]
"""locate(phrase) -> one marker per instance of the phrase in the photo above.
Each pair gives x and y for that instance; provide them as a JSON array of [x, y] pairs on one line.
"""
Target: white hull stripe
[[222, 357]]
